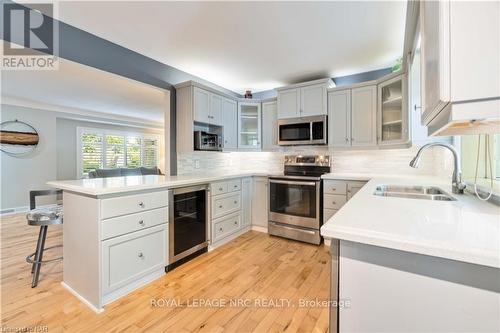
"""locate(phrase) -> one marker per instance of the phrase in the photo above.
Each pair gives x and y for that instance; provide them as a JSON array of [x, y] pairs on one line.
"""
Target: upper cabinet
[[230, 123], [364, 116], [207, 107], [249, 125], [369, 115], [392, 111], [304, 99], [460, 54], [270, 126]]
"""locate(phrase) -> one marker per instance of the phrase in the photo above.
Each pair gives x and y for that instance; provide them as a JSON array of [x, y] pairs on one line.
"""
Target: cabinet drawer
[[121, 225], [353, 188], [133, 203], [334, 201], [334, 187], [130, 257], [226, 226], [327, 213], [225, 204], [218, 188], [234, 185]]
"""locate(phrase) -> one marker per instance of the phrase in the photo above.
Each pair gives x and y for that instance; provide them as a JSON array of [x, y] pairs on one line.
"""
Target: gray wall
[[55, 156]]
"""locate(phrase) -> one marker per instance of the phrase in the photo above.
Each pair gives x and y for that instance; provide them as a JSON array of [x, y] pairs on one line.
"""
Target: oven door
[[295, 202]]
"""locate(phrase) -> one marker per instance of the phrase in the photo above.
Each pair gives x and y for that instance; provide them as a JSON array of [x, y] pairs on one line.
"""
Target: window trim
[[104, 132]]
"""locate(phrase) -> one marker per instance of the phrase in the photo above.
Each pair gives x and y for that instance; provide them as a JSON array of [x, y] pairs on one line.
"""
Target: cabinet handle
[[235, 186], [141, 204], [140, 255], [235, 202], [346, 139], [141, 222], [235, 222], [220, 206], [220, 229], [220, 188], [334, 189], [333, 202]]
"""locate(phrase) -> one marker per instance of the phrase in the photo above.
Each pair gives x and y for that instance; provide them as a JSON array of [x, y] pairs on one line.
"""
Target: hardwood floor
[[254, 269]]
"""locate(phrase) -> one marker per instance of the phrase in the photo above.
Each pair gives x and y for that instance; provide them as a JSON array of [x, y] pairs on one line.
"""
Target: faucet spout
[[457, 186]]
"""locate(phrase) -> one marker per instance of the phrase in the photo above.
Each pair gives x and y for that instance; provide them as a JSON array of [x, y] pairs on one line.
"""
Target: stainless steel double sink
[[413, 192]]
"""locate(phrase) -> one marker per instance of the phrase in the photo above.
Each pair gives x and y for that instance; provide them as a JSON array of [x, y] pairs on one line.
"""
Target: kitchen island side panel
[[396, 291], [81, 247]]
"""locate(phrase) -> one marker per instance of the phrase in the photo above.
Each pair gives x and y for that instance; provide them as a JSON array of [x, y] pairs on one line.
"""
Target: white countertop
[[119, 185], [466, 230]]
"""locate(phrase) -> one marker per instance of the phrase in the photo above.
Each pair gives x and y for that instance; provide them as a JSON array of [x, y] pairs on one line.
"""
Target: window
[[99, 148], [468, 145]]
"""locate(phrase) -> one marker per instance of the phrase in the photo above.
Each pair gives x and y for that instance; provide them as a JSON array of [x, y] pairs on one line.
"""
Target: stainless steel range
[[295, 199]]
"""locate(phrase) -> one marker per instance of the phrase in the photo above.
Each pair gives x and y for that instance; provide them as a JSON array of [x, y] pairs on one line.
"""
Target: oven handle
[[292, 229], [289, 182]]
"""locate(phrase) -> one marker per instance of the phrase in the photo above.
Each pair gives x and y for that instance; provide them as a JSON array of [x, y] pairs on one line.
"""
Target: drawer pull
[[333, 202], [334, 189], [220, 206], [141, 222], [220, 229], [220, 189], [235, 202], [141, 204], [235, 186], [235, 222], [140, 255]]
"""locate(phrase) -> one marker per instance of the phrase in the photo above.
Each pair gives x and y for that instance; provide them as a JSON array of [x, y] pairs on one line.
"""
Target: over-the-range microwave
[[303, 131]]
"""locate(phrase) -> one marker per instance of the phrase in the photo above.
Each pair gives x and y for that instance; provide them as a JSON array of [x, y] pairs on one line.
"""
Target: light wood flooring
[[254, 268]]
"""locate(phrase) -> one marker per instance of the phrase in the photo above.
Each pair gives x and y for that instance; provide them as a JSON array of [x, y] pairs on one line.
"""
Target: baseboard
[[82, 299], [127, 289], [259, 228], [328, 241]]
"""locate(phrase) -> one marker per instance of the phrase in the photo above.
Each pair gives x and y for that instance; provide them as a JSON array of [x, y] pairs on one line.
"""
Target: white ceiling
[[256, 45], [77, 88]]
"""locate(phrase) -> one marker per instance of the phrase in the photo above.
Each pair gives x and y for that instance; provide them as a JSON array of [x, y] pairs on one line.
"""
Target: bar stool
[[42, 217]]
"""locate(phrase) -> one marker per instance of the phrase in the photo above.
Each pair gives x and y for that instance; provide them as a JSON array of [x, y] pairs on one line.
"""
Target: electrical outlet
[[196, 164]]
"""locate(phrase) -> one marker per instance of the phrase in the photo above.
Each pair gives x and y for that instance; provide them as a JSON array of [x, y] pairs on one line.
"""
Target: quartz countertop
[[119, 185], [466, 230]]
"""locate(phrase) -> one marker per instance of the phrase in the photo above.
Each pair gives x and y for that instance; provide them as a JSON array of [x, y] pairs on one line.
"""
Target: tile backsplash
[[388, 161]]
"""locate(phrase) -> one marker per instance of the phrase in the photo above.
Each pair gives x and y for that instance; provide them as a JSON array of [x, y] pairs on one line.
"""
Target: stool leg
[[39, 255], [38, 242]]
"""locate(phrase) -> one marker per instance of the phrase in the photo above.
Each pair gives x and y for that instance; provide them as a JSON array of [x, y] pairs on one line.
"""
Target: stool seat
[[45, 216]]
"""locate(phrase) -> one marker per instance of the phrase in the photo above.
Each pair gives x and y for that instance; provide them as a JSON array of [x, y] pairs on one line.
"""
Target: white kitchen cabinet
[[460, 54], [249, 125], [201, 105], [392, 111], [364, 116], [288, 103], [313, 100], [246, 201], [270, 126], [216, 105], [339, 118], [230, 123], [304, 99], [260, 202]]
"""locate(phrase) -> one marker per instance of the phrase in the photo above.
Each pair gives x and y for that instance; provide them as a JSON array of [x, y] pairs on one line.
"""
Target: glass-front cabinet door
[[392, 111], [249, 125]]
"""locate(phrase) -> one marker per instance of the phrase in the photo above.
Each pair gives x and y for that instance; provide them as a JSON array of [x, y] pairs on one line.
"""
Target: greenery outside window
[[103, 149]]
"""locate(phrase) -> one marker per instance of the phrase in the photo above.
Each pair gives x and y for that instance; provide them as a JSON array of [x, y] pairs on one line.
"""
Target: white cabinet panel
[[133, 203], [226, 225], [364, 116], [122, 225], [289, 103], [269, 125], [215, 113], [230, 123], [313, 100], [260, 201], [339, 118], [225, 204], [129, 257], [201, 105], [246, 201]]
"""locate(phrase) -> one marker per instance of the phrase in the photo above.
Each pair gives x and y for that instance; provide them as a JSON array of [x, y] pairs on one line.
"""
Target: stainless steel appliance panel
[[303, 131], [304, 235]]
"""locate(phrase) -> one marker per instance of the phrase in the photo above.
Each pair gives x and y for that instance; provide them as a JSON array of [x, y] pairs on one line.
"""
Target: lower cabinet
[[127, 258], [260, 202], [336, 193], [225, 226]]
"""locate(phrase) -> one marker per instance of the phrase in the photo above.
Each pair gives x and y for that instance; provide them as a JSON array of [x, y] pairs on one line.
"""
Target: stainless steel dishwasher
[[189, 223]]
